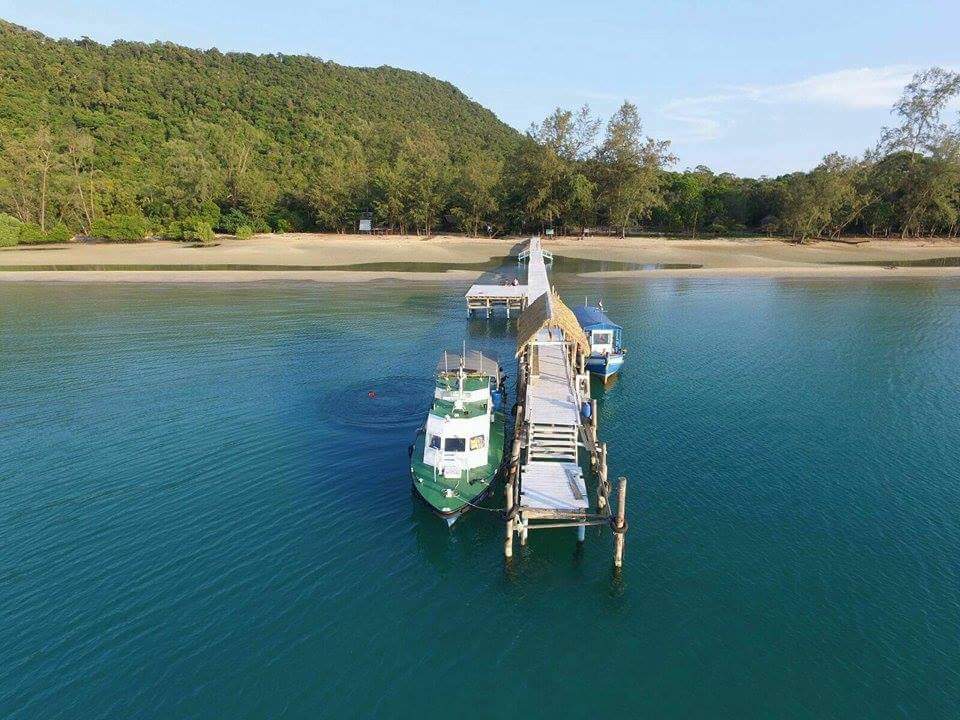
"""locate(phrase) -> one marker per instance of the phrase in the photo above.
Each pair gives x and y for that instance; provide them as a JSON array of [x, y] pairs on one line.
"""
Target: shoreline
[[463, 277], [299, 256]]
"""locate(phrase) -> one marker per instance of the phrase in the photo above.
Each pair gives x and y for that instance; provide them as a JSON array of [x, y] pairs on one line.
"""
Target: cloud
[[702, 118], [708, 117], [860, 89]]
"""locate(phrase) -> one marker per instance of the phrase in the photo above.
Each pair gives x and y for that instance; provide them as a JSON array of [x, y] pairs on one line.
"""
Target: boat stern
[[605, 365]]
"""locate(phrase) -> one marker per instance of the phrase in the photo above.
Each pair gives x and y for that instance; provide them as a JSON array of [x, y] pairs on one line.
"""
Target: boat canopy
[[473, 361], [593, 318]]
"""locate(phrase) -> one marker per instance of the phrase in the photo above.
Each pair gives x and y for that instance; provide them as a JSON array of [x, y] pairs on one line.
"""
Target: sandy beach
[[317, 257]]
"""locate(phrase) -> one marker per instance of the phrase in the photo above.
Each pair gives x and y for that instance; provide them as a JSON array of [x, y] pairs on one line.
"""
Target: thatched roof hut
[[548, 311]]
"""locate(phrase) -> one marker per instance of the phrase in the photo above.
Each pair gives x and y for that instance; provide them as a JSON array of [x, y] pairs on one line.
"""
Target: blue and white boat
[[605, 336]]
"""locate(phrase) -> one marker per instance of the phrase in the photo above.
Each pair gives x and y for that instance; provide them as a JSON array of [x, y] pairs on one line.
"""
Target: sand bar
[[297, 257]]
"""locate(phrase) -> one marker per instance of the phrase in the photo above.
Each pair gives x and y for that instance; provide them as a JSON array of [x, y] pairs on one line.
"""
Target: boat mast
[[460, 373]]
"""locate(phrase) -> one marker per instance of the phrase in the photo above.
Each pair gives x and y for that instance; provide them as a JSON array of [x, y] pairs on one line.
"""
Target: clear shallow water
[[203, 515]]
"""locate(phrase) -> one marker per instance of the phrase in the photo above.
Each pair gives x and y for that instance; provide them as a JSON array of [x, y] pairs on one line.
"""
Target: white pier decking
[[551, 394], [489, 297], [553, 486], [537, 281]]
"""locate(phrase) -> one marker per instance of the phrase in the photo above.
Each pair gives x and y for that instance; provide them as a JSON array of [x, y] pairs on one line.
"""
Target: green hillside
[[165, 128]]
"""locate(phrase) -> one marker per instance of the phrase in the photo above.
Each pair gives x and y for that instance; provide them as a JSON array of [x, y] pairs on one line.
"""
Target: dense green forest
[[139, 139]]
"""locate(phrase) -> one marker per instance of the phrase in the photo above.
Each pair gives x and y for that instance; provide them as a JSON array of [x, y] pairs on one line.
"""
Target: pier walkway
[[556, 419], [487, 297]]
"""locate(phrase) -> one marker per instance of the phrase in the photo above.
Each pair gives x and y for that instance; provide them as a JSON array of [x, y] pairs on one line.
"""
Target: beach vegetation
[[120, 228], [9, 230]]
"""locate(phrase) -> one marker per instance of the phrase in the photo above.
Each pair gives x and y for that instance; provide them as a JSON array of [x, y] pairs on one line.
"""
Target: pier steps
[[552, 442]]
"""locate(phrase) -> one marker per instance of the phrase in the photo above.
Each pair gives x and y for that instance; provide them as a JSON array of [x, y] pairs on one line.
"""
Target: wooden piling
[[602, 475], [508, 540], [513, 475], [621, 528], [593, 419]]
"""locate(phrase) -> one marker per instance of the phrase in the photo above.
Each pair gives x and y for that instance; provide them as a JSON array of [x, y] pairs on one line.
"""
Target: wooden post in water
[[521, 376], [593, 419], [508, 490], [621, 528], [508, 540], [513, 474], [602, 495]]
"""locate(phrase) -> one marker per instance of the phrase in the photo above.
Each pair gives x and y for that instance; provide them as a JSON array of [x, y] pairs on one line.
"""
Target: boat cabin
[[467, 392], [605, 336]]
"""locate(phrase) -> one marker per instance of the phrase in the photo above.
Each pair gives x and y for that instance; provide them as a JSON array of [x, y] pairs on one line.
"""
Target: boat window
[[600, 338], [455, 445], [435, 442], [478, 442]]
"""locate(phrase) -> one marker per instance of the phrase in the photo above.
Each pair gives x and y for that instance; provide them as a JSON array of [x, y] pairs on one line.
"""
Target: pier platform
[[549, 487], [488, 298]]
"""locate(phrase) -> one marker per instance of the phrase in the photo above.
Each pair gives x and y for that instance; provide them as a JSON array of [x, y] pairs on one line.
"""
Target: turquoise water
[[203, 515]]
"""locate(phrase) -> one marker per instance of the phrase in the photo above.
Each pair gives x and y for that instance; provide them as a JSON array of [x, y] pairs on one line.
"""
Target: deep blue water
[[203, 515]]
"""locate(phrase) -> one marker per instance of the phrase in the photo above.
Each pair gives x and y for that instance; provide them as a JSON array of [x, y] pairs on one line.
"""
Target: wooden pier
[[556, 433], [487, 298]]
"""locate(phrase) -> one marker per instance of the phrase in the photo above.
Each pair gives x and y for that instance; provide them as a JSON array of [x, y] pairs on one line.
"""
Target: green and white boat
[[457, 455]]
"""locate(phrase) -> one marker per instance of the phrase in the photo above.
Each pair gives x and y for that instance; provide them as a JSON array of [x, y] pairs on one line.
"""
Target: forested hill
[[261, 126], [136, 140]]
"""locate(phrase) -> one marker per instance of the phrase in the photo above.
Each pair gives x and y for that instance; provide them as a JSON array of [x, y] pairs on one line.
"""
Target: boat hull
[[605, 366]]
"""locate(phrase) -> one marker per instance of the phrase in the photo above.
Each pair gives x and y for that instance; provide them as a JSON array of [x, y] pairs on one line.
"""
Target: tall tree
[[572, 136], [427, 164], [80, 153], [630, 167], [339, 188], [475, 191], [30, 165], [920, 109]]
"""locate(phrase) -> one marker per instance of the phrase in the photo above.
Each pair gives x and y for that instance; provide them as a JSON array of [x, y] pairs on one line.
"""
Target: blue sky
[[745, 86]]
